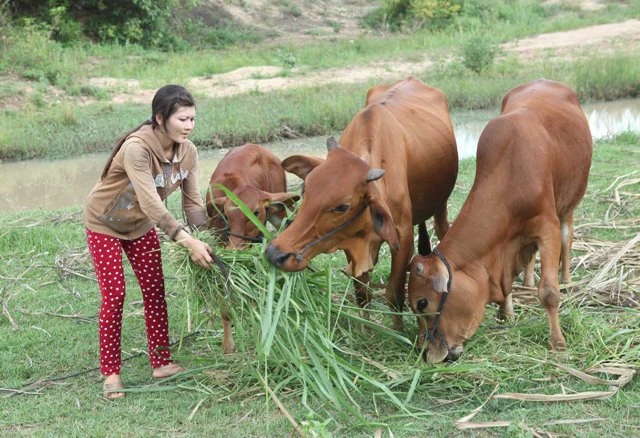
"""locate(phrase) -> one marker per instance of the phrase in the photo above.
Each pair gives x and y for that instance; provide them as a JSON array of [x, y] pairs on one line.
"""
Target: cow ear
[[381, 218], [440, 279], [278, 200], [332, 144], [216, 206], [301, 165], [219, 202], [286, 198], [276, 203]]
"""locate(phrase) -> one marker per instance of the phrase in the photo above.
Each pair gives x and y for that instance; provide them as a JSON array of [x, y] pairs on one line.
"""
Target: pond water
[[48, 185]]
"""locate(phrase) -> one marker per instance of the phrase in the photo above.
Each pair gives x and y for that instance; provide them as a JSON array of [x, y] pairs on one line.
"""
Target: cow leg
[[362, 291], [395, 292], [528, 279], [363, 294], [228, 345], [441, 222], [548, 287], [566, 229], [505, 312]]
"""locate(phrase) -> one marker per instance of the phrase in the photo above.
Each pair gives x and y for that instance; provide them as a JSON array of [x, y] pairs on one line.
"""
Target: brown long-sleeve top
[[128, 201]]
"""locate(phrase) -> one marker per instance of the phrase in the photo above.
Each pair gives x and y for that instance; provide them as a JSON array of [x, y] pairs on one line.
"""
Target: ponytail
[[119, 144]]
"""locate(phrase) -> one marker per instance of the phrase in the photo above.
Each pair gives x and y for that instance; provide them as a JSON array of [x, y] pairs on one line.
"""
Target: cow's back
[[406, 130], [250, 164], [540, 145]]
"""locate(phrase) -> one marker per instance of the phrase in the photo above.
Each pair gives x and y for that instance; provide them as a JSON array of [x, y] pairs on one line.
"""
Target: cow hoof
[[229, 348], [559, 345]]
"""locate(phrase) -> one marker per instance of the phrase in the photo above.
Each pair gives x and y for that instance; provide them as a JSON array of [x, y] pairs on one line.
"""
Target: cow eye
[[256, 213], [422, 304], [341, 208]]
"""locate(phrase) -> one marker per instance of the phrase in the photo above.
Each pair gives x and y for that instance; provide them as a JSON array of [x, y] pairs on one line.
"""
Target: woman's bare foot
[[111, 385], [167, 371]]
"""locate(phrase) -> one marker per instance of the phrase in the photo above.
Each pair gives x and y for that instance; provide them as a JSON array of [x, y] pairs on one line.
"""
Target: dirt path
[[623, 37]]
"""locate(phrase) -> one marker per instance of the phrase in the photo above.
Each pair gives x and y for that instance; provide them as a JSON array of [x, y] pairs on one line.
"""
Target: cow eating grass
[[255, 175], [395, 167], [257, 178], [532, 168]]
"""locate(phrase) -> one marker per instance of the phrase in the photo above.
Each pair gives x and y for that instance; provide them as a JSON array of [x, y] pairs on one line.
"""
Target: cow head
[[265, 206], [436, 289], [342, 208]]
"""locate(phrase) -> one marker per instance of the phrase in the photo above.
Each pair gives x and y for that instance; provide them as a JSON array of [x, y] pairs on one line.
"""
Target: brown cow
[[405, 133], [257, 178], [531, 173]]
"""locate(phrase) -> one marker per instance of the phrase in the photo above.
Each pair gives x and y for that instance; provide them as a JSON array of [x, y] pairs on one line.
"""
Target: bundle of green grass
[[300, 333]]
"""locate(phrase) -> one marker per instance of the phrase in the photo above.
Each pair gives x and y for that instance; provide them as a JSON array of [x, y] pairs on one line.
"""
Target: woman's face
[[180, 124]]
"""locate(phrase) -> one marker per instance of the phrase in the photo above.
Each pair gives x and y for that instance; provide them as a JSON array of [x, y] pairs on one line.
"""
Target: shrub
[[144, 22], [29, 51], [63, 27], [478, 52], [398, 14], [434, 10]]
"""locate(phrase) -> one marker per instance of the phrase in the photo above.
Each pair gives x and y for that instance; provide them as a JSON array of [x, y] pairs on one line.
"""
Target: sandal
[[113, 390], [166, 371]]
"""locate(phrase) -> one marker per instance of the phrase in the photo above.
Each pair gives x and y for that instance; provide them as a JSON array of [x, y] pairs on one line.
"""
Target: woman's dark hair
[[166, 101]]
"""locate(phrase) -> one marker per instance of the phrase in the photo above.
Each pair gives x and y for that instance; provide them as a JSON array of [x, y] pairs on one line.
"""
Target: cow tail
[[424, 245]]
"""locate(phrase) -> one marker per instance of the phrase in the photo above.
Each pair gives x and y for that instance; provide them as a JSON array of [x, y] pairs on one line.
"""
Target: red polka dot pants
[[144, 255]]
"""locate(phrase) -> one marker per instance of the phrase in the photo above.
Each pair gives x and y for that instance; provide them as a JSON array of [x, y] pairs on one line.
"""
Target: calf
[[257, 178], [404, 133], [531, 173]]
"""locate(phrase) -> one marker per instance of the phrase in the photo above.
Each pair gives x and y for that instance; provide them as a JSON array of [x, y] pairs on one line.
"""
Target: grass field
[[48, 342]]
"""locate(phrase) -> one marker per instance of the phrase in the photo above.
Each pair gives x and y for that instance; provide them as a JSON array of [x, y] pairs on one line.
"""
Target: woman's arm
[[200, 251], [192, 200]]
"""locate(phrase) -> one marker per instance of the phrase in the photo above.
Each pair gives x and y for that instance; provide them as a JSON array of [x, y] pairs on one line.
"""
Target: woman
[[122, 212]]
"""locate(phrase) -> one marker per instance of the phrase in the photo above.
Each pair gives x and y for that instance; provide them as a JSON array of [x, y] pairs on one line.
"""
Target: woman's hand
[[200, 251]]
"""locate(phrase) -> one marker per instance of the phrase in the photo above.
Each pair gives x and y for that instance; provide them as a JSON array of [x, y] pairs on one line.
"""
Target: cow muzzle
[[438, 351], [287, 261], [437, 355]]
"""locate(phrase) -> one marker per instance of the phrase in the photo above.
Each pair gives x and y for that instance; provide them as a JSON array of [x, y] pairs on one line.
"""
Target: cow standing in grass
[[257, 178], [395, 167], [531, 173]]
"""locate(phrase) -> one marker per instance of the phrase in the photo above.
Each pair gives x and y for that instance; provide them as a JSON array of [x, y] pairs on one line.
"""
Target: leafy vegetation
[[478, 52], [159, 24]]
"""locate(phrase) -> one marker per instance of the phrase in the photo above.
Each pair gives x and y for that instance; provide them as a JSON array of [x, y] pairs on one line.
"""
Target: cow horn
[[332, 144], [419, 269], [374, 174]]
